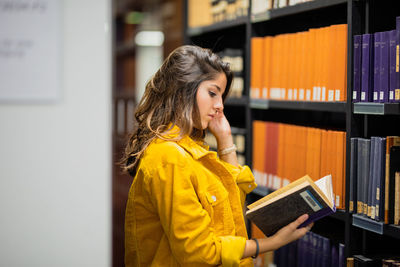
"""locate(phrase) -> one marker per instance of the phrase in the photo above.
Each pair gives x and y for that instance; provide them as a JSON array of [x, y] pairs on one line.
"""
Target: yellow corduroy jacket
[[185, 208]]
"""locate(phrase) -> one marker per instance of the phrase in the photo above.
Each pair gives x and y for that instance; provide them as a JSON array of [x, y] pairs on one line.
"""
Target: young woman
[[185, 205]]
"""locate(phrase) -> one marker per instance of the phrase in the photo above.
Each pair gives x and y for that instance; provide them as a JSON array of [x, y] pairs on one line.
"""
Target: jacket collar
[[196, 148]]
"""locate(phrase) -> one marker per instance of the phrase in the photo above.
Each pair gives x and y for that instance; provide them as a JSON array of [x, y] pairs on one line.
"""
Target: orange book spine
[[281, 141], [324, 153], [332, 68], [266, 76], [340, 136], [256, 66], [342, 64], [317, 153]]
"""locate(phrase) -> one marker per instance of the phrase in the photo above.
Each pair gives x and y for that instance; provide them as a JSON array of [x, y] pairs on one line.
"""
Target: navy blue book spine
[[384, 71], [366, 67], [357, 68], [397, 89], [392, 64], [377, 66]]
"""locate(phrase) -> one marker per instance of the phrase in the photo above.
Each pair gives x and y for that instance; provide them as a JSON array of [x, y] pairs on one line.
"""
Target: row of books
[[312, 250], [261, 6], [206, 12], [375, 178], [305, 66], [283, 153], [376, 69], [235, 59], [372, 261], [238, 139]]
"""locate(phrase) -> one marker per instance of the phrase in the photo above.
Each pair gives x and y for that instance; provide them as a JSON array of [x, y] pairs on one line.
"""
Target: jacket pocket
[[216, 203]]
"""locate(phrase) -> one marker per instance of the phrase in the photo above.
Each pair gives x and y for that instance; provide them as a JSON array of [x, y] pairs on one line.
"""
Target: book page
[[325, 184]]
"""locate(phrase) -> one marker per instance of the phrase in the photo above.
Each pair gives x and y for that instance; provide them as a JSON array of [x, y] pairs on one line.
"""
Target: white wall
[[55, 159]]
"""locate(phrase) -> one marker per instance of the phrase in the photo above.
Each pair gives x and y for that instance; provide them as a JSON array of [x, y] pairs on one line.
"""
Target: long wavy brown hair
[[170, 99]]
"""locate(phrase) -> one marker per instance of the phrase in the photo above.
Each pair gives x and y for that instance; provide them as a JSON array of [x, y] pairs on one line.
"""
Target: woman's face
[[209, 98]]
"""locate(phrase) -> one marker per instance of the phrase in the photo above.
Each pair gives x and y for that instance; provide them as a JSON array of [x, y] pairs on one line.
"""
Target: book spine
[[397, 88], [392, 64], [384, 68], [357, 68], [317, 215], [376, 65], [353, 175], [380, 191], [371, 178], [366, 66], [397, 199], [360, 152], [394, 166], [341, 255]]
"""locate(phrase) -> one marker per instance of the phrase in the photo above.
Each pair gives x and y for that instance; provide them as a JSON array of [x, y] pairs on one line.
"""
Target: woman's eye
[[212, 94]]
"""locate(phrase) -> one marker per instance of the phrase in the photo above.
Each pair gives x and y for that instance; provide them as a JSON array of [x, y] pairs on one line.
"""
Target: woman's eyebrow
[[219, 89]]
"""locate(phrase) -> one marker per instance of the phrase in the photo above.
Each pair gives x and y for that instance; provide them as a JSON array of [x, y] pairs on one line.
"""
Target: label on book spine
[[311, 200]]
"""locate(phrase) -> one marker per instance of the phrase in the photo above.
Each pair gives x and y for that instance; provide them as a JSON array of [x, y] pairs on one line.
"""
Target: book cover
[[366, 67], [357, 68], [384, 68], [377, 66], [271, 213]]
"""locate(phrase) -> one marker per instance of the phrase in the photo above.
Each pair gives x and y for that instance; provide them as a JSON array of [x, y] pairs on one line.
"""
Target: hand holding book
[[286, 204], [284, 236]]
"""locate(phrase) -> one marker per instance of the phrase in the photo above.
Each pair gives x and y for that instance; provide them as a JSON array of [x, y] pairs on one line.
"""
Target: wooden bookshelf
[[356, 119]]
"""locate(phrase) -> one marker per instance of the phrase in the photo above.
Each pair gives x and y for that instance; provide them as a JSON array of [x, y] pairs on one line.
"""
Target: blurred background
[[62, 195]]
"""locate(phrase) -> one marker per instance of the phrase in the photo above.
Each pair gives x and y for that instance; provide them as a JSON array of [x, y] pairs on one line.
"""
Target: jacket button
[[249, 185], [214, 198]]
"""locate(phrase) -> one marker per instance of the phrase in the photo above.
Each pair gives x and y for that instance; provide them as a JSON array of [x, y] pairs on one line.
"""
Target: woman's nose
[[219, 105]]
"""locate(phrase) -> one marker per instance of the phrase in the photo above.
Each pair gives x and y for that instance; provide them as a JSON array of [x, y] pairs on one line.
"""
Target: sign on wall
[[29, 50]]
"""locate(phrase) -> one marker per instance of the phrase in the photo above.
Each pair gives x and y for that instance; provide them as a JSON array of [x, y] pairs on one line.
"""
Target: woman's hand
[[284, 236], [290, 232], [221, 129]]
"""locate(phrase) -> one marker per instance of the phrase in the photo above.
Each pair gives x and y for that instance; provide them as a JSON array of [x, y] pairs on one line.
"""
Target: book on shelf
[[286, 204], [390, 141], [366, 67], [394, 185], [357, 68]]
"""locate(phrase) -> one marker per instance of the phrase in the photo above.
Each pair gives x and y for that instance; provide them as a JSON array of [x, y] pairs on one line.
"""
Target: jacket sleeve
[[184, 220], [244, 179]]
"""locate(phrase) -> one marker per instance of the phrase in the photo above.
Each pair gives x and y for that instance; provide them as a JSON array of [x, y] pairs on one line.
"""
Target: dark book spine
[[394, 166], [397, 89], [334, 255], [357, 68], [371, 177], [318, 215], [353, 176], [341, 255], [365, 174], [377, 65], [359, 195], [384, 70], [326, 255], [366, 67], [392, 64], [380, 196], [362, 174]]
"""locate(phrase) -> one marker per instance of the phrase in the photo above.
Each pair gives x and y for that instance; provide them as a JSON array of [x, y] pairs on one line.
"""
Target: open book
[[286, 204]]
